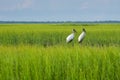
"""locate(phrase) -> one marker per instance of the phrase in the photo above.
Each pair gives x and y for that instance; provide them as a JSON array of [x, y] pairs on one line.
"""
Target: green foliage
[[39, 52], [59, 63], [51, 34]]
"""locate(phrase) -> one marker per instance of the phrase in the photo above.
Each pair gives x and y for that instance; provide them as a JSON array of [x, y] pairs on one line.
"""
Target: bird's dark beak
[[74, 30]]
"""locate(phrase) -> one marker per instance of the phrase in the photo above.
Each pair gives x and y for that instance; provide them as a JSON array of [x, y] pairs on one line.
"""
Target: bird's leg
[[73, 44]]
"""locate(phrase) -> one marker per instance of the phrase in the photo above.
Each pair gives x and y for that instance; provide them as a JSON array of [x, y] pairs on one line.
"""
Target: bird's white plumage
[[81, 37], [70, 37]]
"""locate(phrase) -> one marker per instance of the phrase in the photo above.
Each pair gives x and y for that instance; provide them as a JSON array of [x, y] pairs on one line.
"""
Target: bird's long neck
[[73, 33]]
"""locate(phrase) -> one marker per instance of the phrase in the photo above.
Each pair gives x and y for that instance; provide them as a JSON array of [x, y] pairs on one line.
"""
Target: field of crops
[[40, 52]]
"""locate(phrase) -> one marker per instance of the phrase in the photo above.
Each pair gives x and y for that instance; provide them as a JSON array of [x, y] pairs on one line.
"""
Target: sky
[[59, 10]]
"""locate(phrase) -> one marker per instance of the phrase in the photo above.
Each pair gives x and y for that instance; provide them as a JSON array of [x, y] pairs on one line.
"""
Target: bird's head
[[84, 30], [74, 31]]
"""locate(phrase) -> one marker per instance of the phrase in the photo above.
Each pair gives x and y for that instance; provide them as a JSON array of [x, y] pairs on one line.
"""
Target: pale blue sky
[[59, 10]]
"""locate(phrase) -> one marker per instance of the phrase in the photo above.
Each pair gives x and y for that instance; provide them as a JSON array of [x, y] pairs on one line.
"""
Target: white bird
[[71, 36], [82, 36]]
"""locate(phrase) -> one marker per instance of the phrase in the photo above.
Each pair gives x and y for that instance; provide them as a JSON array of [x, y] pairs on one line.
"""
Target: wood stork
[[82, 36], [71, 36]]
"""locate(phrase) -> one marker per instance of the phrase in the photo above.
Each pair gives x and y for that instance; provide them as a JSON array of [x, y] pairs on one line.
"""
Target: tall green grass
[[59, 63], [47, 35], [39, 52]]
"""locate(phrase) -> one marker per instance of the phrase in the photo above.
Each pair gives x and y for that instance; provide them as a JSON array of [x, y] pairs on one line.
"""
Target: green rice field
[[40, 52]]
